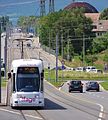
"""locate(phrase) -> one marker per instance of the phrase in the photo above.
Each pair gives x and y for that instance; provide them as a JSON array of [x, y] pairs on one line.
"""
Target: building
[[87, 7], [99, 26]]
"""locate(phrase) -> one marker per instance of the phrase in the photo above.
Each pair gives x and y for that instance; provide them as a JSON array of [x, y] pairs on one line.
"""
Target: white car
[[90, 68], [96, 71], [79, 69]]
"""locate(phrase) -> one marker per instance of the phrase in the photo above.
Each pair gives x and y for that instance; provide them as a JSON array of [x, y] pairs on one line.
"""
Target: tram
[[26, 83]]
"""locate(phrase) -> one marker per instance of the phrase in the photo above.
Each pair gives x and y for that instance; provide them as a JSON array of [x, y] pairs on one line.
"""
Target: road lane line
[[5, 110], [101, 112]]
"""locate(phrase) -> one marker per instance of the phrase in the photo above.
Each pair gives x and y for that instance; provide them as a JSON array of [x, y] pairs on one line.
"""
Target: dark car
[[92, 86], [60, 68], [75, 86]]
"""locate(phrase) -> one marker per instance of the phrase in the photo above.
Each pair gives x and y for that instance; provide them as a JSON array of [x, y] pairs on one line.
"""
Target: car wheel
[[97, 90], [69, 91], [81, 91]]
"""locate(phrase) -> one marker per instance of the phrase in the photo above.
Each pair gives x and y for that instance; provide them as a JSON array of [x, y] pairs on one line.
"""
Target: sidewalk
[[3, 96]]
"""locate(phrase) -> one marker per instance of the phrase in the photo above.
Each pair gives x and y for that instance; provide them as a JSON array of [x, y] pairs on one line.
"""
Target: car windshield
[[75, 82], [93, 83], [28, 82]]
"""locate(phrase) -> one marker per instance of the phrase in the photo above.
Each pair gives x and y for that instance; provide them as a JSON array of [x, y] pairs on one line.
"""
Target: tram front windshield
[[28, 79]]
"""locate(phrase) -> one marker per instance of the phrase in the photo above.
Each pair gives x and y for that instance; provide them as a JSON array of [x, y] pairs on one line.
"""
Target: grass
[[64, 76], [69, 75], [104, 85]]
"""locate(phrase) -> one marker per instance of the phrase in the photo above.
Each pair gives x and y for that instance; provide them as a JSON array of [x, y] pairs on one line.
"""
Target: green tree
[[104, 14], [100, 43], [72, 24], [105, 59]]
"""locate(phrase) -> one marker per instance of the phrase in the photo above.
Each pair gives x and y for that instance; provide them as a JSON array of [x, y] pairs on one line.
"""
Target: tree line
[[73, 29]]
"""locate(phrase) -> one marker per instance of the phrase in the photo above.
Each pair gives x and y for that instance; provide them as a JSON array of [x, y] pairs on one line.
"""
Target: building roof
[[99, 25], [93, 16], [88, 8]]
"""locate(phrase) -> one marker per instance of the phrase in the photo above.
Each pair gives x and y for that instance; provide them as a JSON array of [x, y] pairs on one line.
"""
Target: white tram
[[26, 78]]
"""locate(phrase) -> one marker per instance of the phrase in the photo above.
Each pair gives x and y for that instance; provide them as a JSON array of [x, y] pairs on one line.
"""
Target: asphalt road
[[59, 105]]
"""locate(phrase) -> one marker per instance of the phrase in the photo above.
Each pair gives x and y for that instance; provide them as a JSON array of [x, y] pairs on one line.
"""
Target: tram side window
[[13, 81]]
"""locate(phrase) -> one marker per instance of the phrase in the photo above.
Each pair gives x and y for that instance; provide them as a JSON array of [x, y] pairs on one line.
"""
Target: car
[[80, 69], [92, 86], [60, 68], [75, 85], [89, 68], [30, 35], [95, 71]]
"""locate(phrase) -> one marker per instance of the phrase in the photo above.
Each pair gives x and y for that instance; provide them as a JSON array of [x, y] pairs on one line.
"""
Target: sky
[[16, 8]]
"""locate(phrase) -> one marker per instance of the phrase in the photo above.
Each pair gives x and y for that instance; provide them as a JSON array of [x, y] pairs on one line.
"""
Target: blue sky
[[15, 8]]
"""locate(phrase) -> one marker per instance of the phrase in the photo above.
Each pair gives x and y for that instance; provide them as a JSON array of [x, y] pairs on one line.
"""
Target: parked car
[[89, 68], [92, 86], [75, 86], [59, 68], [95, 71], [80, 69]]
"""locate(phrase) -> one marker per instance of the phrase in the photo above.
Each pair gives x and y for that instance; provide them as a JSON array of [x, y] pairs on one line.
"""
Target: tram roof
[[26, 62]]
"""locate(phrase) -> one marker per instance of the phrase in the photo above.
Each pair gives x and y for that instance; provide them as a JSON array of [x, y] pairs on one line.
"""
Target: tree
[[100, 43], [71, 24], [104, 14]]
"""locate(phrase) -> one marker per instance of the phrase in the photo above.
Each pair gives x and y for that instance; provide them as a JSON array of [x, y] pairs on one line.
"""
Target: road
[[59, 104]]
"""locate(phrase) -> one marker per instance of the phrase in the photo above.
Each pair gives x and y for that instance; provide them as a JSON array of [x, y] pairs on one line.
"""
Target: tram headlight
[[37, 96]]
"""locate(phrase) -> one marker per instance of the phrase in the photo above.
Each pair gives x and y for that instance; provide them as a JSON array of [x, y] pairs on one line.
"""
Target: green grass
[[68, 75], [64, 76], [104, 85]]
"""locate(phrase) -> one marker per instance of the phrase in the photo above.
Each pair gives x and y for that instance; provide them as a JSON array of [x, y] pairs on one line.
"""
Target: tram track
[[37, 116]]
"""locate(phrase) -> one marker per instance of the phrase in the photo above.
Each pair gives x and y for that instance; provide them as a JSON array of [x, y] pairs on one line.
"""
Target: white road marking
[[5, 110], [101, 112], [102, 108]]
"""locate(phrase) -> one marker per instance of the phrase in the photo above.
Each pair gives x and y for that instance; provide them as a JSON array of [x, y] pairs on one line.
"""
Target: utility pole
[[42, 8], [51, 6], [62, 45], [49, 41], [56, 57], [5, 53], [83, 49], [0, 61], [22, 51]]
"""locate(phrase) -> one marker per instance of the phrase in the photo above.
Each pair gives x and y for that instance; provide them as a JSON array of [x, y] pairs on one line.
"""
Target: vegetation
[[70, 75], [71, 26], [104, 85], [74, 31], [104, 14], [25, 22]]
